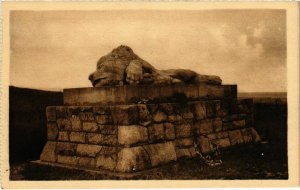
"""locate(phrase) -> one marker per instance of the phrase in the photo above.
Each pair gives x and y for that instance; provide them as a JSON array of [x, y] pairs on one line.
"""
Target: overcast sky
[[59, 49]]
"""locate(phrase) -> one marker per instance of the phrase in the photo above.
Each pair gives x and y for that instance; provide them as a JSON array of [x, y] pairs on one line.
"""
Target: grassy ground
[[260, 161]]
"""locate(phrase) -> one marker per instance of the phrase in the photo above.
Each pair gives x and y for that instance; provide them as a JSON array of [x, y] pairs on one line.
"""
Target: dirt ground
[[256, 161]]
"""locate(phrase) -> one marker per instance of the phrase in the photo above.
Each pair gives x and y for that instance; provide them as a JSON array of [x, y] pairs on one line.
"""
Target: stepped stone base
[[135, 137]]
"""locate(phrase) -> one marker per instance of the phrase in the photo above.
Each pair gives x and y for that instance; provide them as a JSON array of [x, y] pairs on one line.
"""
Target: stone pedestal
[[133, 128]]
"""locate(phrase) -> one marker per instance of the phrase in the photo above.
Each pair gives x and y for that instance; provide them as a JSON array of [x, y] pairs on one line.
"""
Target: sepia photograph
[[126, 93]]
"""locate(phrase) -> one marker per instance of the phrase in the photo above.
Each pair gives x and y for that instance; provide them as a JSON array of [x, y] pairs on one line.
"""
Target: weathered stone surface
[[123, 66], [227, 126], [144, 114], [188, 115], [110, 140], [159, 116], [222, 142], [86, 162], [69, 160], [86, 116], [76, 123], [89, 126], [211, 110], [247, 135], [108, 129], [108, 150], [107, 162], [212, 136], [169, 131], [200, 110], [64, 124], [94, 138], [185, 142], [78, 137], [235, 137], [184, 130], [88, 150], [65, 148], [175, 118], [161, 153], [180, 153], [239, 123], [61, 112], [205, 126], [132, 134], [167, 108], [52, 131], [48, 153], [204, 144], [63, 136], [222, 135], [156, 132], [51, 113], [132, 159], [217, 124], [104, 119], [101, 110], [193, 152], [125, 114]]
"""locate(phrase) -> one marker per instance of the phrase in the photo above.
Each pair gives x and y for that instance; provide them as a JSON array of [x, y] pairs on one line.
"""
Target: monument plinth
[[133, 126]]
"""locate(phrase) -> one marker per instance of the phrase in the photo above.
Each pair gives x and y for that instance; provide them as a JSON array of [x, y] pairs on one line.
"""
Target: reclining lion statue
[[123, 67]]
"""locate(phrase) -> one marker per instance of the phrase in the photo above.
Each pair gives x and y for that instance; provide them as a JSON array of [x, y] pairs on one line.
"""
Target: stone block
[[51, 113], [52, 131], [101, 110], [212, 136], [107, 162], [227, 126], [94, 138], [132, 134], [76, 123], [86, 162], [144, 114], [78, 137], [221, 135], [63, 136], [104, 119], [223, 143], [86, 116], [181, 153], [192, 152], [111, 140], [199, 110], [184, 142], [152, 108], [204, 144], [204, 126], [167, 108], [108, 150], [211, 110], [169, 131], [65, 148], [156, 132], [125, 114], [239, 123], [175, 118], [89, 126], [64, 124], [48, 153], [217, 124], [183, 130], [88, 150], [188, 115], [159, 116], [235, 137], [161, 153], [108, 129], [61, 112], [69, 160], [132, 159]]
